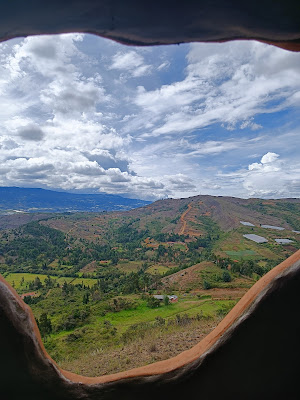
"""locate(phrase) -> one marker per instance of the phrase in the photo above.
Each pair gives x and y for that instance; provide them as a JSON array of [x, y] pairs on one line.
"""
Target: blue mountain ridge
[[42, 200]]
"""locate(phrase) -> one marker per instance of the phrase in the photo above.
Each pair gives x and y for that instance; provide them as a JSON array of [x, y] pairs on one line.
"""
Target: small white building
[[173, 298]]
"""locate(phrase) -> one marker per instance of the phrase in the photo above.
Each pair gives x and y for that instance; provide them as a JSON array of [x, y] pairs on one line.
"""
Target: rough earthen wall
[[254, 353]]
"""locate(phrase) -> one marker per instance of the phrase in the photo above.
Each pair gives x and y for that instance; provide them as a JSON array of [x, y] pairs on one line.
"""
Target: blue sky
[[84, 113]]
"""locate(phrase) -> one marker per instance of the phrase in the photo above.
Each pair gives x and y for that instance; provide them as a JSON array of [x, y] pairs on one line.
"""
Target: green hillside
[[90, 277]]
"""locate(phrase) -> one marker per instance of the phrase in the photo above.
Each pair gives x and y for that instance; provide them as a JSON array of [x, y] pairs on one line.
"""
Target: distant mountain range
[[14, 199]]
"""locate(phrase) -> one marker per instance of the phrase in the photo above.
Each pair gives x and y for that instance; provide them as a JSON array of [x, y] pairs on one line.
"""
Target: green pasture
[[157, 269], [236, 244], [129, 266], [93, 337], [16, 278], [245, 254], [179, 246], [123, 319]]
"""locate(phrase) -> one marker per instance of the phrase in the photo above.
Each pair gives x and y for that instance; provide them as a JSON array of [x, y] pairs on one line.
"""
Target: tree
[[44, 266], [226, 276], [114, 259], [48, 282], [65, 289], [86, 298], [44, 324], [9, 261], [161, 250], [166, 300], [206, 285], [152, 302], [37, 283]]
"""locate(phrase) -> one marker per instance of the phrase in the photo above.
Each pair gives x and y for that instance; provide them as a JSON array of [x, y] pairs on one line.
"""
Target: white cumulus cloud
[[80, 112]]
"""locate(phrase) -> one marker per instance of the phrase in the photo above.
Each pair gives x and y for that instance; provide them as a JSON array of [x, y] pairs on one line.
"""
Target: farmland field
[[15, 279], [132, 266], [158, 269], [245, 254]]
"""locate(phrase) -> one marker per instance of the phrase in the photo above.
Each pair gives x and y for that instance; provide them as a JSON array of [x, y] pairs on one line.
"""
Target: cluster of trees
[[249, 267], [36, 284], [165, 253], [130, 236], [152, 302], [35, 246], [117, 282], [244, 267], [214, 279], [44, 324], [75, 319], [119, 303], [104, 290], [170, 237]]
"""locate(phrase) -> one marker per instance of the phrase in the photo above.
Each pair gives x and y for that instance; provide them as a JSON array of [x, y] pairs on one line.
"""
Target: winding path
[[182, 219]]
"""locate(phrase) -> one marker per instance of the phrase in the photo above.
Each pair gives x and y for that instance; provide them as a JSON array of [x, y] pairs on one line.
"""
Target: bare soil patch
[[188, 276]]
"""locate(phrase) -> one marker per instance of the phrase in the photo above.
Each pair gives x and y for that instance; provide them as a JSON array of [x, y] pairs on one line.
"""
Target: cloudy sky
[[83, 113]]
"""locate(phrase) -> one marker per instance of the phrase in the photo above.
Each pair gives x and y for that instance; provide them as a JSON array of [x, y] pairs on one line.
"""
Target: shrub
[[136, 331], [73, 320], [108, 329], [119, 304], [73, 337], [159, 321], [152, 302], [182, 320], [152, 347], [44, 324], [206, 285], [166, 300], [226, 276]]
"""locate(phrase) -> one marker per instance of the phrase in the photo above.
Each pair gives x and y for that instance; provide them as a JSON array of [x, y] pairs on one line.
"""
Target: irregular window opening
[[113, 291]]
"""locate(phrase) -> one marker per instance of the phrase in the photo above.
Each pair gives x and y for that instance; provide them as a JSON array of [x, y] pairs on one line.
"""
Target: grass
[[158, 344], [143, 314], [99, 335], [15, 279], [105, 331], [157, 269], [179, 246], [243, 254], [235, 242], [130, 266]]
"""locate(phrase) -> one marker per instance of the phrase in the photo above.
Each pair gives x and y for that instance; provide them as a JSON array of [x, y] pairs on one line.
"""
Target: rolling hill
[[92, 275], [194, 218]]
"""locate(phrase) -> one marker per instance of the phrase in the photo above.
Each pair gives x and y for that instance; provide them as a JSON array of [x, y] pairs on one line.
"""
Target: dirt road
[[183, 221]]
